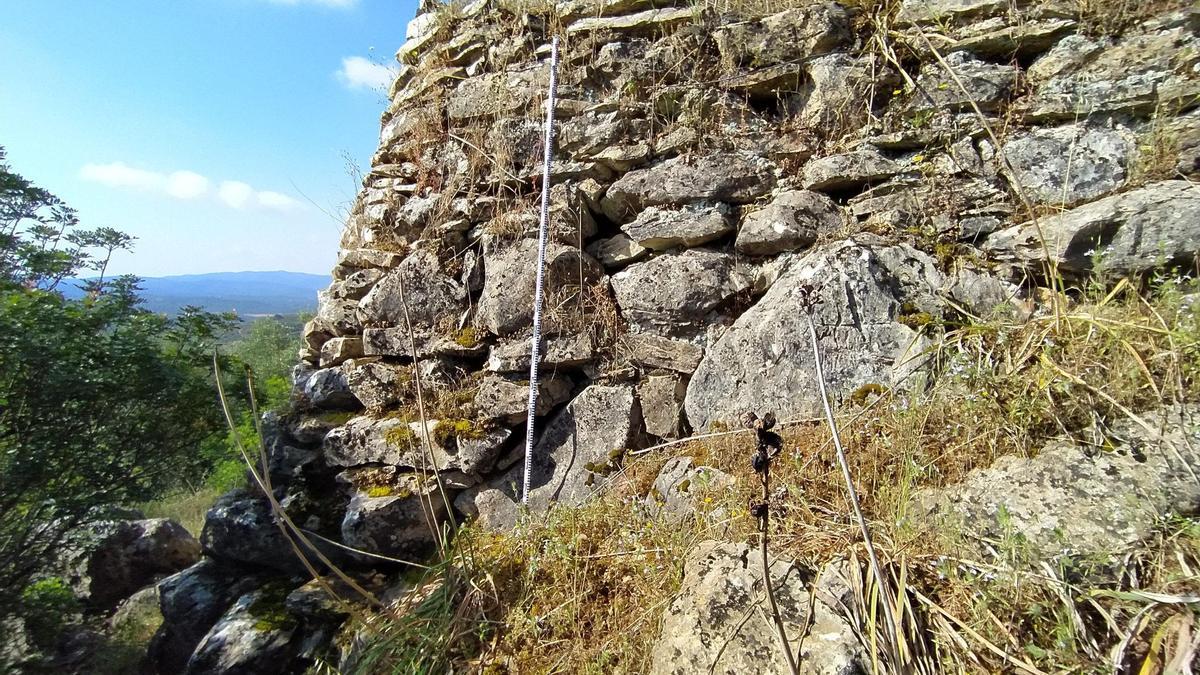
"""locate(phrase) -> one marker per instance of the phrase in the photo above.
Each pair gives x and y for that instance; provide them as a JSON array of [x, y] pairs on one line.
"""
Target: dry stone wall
[[714, 163]]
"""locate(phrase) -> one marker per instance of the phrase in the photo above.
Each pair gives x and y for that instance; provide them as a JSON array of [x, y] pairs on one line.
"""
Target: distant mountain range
[[247, 293]]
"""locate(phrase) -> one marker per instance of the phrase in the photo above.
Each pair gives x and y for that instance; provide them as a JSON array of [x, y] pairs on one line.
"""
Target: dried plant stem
[[780, 629], [893, 628]]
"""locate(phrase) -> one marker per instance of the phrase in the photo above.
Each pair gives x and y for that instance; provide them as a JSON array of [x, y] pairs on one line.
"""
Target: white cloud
[[185, 184], [359, 73], [277, 201], [235, 193], [120, 175]]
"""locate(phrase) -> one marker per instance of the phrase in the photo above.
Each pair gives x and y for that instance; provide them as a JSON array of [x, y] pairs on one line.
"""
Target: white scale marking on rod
[[536, 348]]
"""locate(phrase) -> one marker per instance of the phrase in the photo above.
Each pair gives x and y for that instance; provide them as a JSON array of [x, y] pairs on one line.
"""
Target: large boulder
[[255, 636], [673, 293], [108, 561], [1066, 165], [191, 602], [790, 221], [1095, 503], [869, 302], [510, 273], [734, 178], [241, 528], [569, 457], [715, 623], [1125, 233]]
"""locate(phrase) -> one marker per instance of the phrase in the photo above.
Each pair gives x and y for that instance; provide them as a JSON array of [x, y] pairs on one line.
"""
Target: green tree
[[269, 349], [101, 401]]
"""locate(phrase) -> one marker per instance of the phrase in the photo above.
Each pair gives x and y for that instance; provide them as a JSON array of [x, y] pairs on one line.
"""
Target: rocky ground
[[723, 174]]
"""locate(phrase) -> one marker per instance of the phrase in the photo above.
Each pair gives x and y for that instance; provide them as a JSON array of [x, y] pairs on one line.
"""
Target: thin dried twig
[[893, 628]]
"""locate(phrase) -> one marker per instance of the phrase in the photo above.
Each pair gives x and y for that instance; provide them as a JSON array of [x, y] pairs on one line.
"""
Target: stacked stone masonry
[[713, 172]]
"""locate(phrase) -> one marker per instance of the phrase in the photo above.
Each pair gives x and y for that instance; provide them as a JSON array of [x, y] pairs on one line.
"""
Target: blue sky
[[212, 130]]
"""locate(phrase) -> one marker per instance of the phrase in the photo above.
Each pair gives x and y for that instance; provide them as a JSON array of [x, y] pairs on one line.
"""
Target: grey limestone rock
[[671, 293], [494, 93], [337, 350], [791, 36], [557, 352], [1143, 71], [600, 421], [430, 294], [1066, 165], [1125, 233], [864, 294], [397, 523], [680, 484], [243, 642], [504, 399], [653, 351], [191, 602], [790, 221], [241, 528], [661, 398], [378, 384], [509, 276], [617, 251], [328, 389], [734, 178], [658, 229], [923, 11], [107, 561], [986, 84], [831, 94], [644, 22], [848, 171], [338, 316], [722, 584], [1080, 501]]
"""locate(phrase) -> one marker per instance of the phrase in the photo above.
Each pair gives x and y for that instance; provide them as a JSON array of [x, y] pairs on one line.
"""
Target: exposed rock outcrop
[[1072, 500], [722, 584], [1130, 232], [107, 562], [869, 302]]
